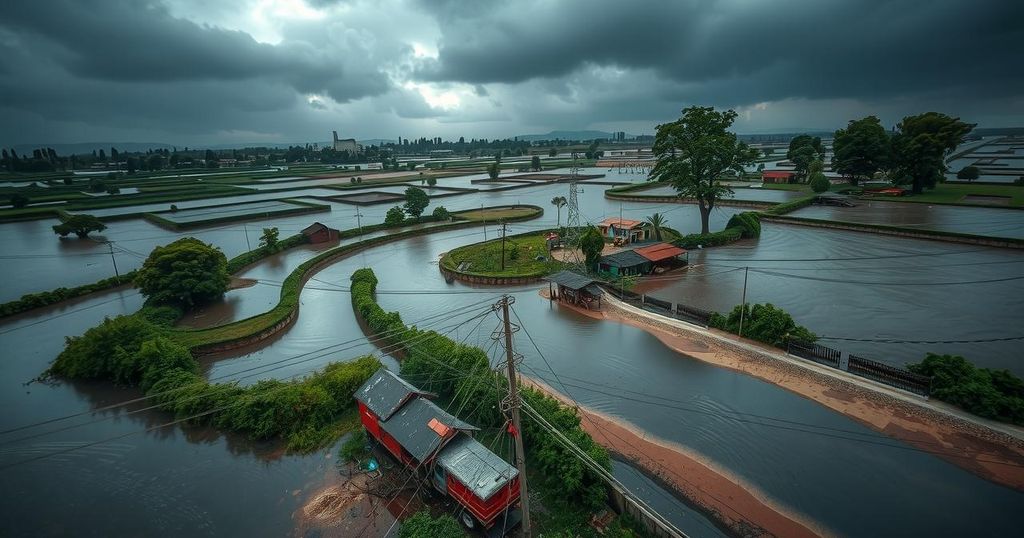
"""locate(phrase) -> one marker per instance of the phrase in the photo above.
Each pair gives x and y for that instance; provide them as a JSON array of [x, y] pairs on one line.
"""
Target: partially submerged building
[[575, 288], [623, 231], [320, 233], [642, 260], [440, 449]]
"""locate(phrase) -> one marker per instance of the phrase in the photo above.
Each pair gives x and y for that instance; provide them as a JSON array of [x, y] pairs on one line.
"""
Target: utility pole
[[513, 394], [484, 220], [359, 221], [743, 308], [112, 260], [503, 229], [246, 229]]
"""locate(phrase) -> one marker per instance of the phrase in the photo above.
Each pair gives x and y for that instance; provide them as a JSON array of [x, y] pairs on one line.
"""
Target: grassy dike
[[460, 373], [202, 340]]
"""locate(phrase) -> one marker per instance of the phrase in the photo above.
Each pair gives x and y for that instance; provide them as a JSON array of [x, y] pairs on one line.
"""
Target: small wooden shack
[[319, 233], [575, 288], [624, 263]]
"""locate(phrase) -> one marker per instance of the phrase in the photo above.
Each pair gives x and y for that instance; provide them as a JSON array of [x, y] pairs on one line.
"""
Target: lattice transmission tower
[[573, 232]]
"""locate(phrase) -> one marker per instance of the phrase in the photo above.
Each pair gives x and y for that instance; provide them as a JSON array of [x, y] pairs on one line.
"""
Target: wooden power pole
[[513, 394]]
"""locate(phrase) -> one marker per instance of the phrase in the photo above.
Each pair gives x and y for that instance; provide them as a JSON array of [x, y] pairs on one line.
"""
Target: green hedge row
[[250, 257], [713, 239], [46, 298], [791, 206], [135, 351], [461, 375]]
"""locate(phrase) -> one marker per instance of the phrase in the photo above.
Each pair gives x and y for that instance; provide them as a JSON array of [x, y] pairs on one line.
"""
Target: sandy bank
[[731, 503], [934, 427]]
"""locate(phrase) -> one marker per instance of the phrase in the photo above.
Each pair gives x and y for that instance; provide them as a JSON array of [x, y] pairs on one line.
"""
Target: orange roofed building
[[625, 230]]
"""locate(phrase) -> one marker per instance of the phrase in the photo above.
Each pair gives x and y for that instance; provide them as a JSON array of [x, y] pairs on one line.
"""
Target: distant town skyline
[[188, 72]]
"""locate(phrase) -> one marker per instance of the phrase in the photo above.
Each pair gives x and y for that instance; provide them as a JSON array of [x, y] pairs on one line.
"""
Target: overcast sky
[[194, 72]]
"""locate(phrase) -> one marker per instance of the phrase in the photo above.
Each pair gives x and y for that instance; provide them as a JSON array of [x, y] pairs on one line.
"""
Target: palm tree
[[559, 202], [657, 221]]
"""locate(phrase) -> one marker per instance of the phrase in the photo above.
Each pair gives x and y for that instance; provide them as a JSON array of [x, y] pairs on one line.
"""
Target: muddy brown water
[[177, 481]]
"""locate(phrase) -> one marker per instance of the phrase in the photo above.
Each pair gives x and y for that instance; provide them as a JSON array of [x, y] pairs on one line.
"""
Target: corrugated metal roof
[[659, 251], [624, 258], [481, 470], [569, 279], [410, 426], [385, 392]]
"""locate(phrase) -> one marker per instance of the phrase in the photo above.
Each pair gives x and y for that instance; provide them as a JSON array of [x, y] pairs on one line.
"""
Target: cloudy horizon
[[278, 71]]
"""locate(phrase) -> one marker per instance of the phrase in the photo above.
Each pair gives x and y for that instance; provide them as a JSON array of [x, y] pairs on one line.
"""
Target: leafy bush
[[422, 525], [250, 257], [394, 217], [989, 393], [106, 351], [820, 183], [354, 448], [440, 213], [765, 323], [749, 222], [713, 239]]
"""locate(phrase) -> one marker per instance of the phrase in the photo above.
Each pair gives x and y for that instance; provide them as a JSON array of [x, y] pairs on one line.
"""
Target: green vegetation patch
[[46, 298], [763, 322], [989, 393], [457, 371], [521, 257], [953, 193], [500, 213]]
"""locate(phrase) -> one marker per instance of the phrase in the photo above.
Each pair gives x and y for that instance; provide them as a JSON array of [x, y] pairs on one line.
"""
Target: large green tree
[[416, 200], [861, 149], [816, 176], [186, 273], [920, 147], [694, 151], [80, 225], [803, 150]]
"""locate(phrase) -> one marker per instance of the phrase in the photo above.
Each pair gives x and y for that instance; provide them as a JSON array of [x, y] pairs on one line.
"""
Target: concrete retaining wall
[[490, 280]]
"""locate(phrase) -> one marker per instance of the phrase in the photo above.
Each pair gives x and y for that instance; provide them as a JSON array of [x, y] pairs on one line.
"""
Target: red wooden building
[[319, 233], [441, 450], [777, 176]]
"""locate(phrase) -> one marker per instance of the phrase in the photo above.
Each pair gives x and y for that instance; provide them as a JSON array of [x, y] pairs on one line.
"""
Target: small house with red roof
[[623, 231], [777, 176]]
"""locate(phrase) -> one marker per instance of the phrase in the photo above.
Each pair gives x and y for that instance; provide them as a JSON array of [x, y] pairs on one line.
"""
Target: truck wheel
[[468, 520]]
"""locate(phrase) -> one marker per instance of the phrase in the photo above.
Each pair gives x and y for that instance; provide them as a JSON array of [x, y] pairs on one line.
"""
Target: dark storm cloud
[[128, 41], [738, 52]]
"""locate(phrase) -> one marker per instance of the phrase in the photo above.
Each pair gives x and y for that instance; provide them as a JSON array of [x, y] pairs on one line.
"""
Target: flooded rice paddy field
[[751, 194], [945, 218], [706, 409], [698, 406]]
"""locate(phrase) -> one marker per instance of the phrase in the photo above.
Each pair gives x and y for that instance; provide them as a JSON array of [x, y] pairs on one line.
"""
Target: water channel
[[198, 482]]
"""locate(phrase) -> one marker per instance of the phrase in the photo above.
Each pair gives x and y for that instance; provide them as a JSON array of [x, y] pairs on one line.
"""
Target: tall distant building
[[346, 144]]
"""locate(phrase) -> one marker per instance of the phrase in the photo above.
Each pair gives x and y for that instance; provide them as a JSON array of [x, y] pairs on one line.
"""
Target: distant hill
[[568, 135]]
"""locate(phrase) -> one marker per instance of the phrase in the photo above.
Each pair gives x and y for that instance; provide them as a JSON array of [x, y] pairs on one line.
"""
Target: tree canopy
[[803, 150], [921, 145], [559, 202], [394, 216], [416, 200], [861, 149], [816, 176], [535, 163], [80, 225], [186, 273], [657, 222], [591, 243], [269, 238], [694, 151]]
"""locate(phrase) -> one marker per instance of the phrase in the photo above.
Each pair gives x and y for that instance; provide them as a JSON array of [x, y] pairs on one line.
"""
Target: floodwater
[[197, 482], [868, 287], [625, 372], [755, 194], [946, 218]]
